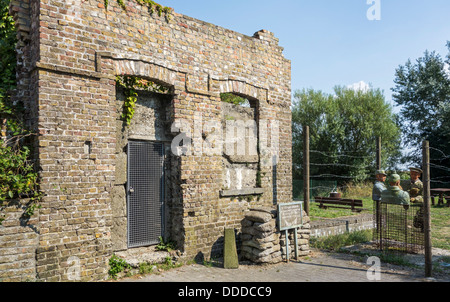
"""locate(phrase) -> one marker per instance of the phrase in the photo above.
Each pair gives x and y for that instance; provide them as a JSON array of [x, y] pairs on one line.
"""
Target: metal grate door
[[145, 188]]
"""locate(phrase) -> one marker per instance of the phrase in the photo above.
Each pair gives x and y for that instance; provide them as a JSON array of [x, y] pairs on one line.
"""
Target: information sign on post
[[290, 216]]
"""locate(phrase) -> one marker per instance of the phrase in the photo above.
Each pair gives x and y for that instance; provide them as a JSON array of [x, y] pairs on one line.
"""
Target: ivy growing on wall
[[18, 177], [233, 99], [152, 6], [130, 86]]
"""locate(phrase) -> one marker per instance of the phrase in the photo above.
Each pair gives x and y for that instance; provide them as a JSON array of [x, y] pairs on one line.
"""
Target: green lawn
[[317, 213], [440, 227], [440, 220]]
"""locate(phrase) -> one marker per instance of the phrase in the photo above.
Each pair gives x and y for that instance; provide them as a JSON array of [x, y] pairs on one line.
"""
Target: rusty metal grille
[[398, 228], [145, 189]]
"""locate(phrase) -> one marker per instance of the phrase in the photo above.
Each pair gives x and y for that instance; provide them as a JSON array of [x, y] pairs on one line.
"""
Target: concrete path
[[320, 267]]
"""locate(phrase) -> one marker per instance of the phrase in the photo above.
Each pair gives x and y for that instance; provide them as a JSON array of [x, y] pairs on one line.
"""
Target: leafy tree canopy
[[343, 132], [422, 89], [7, 47]]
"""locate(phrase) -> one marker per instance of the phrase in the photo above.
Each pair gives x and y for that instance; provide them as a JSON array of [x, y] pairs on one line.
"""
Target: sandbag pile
[[260, 238], [262, 242], [303, 235]]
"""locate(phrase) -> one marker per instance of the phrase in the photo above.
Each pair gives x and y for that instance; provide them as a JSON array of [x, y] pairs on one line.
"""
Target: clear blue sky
[[332, 42]]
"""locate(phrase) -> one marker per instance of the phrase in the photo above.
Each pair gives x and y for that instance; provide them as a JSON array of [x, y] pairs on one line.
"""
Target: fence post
[[377, 202], [426, 208], [306, 176], [379, 153]]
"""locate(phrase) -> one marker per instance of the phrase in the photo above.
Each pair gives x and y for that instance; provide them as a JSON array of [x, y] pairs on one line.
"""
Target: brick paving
[[321, 267]]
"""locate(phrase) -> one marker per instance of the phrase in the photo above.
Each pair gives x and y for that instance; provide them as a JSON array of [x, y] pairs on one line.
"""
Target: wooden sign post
[[290, 216]]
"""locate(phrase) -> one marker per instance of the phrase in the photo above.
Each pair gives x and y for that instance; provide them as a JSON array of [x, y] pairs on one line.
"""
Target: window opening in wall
[[231, 98], [241, 168]]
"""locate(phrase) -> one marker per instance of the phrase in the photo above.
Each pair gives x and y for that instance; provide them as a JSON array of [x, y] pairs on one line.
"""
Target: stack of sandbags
[[260, 238], [303, 235]]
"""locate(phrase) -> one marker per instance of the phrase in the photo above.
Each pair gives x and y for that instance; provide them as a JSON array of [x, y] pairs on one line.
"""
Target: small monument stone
[[230, 256]]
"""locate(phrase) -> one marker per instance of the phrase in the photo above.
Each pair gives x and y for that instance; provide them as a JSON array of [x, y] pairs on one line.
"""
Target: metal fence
[[399, 228]]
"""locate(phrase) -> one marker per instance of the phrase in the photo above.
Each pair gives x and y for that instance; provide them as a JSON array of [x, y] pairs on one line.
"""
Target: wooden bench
[[448, 200], [433, 196], [355, 205]]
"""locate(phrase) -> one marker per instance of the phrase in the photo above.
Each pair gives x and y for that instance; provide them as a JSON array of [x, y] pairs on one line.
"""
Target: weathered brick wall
[[19, 239], [75, 218], [77, 49]]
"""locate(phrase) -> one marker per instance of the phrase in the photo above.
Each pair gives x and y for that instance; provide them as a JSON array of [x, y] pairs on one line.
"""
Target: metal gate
[[145, 193]]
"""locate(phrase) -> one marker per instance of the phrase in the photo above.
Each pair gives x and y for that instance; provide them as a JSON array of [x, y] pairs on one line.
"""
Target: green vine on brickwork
[[232, 99], [18, 178], [152, 6], [18, 174], [130, 86]]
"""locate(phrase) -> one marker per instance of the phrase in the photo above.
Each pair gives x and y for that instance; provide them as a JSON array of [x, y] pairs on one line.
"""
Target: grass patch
[[440, 227], [361, 191], [394, 258], [440, 220], [337, 242], [317, 213], [150, 268], [440, 215], [391, 258], [119, 268], [445, 259]]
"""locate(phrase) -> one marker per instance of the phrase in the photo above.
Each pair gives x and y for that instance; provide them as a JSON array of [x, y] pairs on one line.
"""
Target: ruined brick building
[[93, 166]]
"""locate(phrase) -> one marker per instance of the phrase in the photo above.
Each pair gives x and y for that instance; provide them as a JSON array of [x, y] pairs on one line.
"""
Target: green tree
[[444, 108], [422, 90], [7, 47], [343, 132], [7, 66]]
